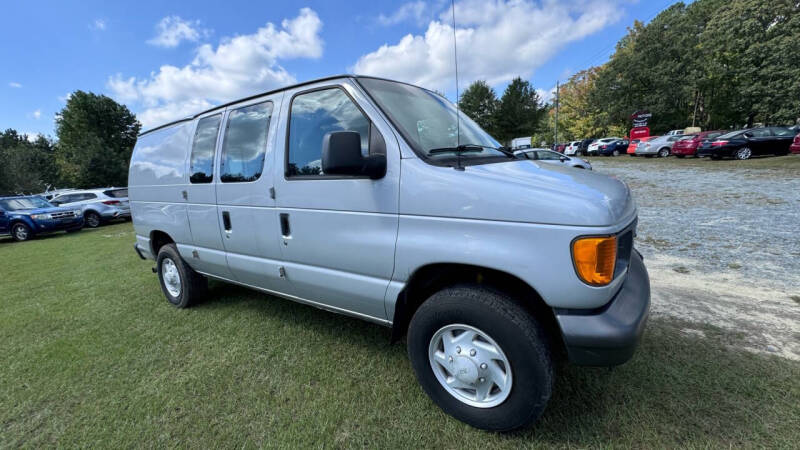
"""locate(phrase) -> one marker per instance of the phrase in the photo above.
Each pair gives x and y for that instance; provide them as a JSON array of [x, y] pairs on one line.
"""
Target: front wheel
[[481, 357], [20, 232], [663, 153], [743, 153], [615, 153], [180, 283]]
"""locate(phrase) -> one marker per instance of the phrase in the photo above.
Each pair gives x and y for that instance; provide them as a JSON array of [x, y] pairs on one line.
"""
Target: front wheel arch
[[432, 278]]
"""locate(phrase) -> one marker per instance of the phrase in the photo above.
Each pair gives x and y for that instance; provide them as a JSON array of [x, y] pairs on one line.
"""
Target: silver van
[[376, 199]]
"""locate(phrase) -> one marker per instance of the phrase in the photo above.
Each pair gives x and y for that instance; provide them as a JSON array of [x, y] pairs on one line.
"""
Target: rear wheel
[[91, 219], [481, 357], [615, 153], [180, 283], [743, 153], [20, 232]]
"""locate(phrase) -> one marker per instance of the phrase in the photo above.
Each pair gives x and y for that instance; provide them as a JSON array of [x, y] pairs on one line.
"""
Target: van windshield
[[428, 122]]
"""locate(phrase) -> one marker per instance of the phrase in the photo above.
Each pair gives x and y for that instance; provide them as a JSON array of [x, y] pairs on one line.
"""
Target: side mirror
[[341, 155], [563, 158]]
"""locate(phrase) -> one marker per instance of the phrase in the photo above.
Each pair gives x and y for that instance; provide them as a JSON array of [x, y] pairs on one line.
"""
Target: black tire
[[21, 232], [91, 219], [193, 286], [513, 328]]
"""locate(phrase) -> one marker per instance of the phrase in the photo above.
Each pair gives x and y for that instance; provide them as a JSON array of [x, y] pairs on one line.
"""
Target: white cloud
[[64, 98], [172, 30], [98, 24], [415, 11], [497, 41], [31, 136], [14, 84], [37, 114], [237, 67]]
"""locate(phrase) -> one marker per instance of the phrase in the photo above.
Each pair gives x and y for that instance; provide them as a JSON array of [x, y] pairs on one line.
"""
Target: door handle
[[226, 221], [286, 232]]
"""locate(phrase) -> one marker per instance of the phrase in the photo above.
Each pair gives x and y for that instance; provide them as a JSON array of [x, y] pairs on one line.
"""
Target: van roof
[[224, 105]]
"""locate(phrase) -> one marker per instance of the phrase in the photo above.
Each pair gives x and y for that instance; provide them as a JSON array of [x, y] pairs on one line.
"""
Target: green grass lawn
[[91, 355]]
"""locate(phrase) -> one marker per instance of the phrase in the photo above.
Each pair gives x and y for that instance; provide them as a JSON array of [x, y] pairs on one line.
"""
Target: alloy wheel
[[21, 232], [743, 153]]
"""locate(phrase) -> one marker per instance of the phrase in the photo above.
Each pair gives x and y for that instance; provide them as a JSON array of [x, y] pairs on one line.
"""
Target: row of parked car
[[716, 144], [23, 217]]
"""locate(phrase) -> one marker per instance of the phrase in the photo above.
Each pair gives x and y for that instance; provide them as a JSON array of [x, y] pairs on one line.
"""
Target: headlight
[[595, 259], [77, 212], [41, 216]]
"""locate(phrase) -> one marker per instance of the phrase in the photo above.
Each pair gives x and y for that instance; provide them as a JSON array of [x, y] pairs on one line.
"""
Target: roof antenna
[[455, 57], [458, 117]]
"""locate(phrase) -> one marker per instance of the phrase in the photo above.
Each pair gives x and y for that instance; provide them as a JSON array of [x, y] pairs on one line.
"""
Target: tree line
[[95, 139], [714, 64]]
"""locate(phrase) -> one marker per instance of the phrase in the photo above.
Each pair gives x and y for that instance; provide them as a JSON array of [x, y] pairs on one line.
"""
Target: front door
[[246, 208], [338, 233], [759, 140]]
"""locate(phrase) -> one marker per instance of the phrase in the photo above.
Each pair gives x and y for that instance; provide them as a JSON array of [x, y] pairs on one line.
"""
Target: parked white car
[[572, 148], [674, 133], [594, 147], [550, 157]]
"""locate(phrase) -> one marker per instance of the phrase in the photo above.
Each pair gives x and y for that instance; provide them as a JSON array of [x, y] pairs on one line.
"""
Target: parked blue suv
[[25, 217]]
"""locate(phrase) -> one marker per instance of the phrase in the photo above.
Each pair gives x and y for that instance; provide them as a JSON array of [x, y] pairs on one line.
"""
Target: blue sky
[[169, 59]]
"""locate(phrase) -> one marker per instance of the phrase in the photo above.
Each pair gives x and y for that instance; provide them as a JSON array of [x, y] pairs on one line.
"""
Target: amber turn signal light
[[595, 259]]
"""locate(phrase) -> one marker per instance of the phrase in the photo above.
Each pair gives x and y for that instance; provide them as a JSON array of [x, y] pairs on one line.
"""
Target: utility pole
[[556, 127]]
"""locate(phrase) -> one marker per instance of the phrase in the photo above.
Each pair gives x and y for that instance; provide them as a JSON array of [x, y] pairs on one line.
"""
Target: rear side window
[[201, 166], [313, 115], [245, 143], [116, 193]]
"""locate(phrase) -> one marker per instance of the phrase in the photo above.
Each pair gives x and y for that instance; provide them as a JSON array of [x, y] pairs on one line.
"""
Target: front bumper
[[609, 336], [52, 225]]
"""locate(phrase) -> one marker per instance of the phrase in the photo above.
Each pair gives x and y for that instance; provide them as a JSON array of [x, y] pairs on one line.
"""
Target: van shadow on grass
[[678, 390]]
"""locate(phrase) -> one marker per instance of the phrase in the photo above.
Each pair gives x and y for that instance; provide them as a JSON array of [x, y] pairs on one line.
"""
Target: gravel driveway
[[721, 240]]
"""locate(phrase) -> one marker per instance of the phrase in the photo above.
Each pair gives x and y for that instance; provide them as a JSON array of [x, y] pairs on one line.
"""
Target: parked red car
[[688, 145], [795, 147]]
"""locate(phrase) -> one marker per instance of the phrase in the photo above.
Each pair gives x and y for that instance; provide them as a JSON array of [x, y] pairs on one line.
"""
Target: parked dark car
[[584, 148], [614, 148], [25, 217], [687, 145], [742, 144]]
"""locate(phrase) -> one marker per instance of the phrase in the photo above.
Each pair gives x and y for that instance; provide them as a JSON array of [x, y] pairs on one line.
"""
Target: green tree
[[520, 112], [27, 166], [480, 103], [96, 136]]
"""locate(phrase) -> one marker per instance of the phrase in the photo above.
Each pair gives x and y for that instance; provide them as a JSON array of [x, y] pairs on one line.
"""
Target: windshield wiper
[[464, 148]]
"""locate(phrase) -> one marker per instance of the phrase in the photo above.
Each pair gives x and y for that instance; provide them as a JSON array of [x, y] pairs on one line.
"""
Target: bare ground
[[721, 243]]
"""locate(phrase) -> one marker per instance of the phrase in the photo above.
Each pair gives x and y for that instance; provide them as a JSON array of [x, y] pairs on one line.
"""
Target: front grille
[[63, 215], [624, 248]]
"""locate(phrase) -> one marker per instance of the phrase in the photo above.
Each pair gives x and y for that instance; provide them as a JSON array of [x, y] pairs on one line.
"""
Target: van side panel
[[156, 181]]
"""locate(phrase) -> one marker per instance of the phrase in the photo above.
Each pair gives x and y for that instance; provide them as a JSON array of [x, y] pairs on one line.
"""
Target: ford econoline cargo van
[[377, 199]]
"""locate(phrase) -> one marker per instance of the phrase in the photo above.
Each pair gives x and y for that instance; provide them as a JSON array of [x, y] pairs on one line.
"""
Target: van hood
[[520, 191]]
